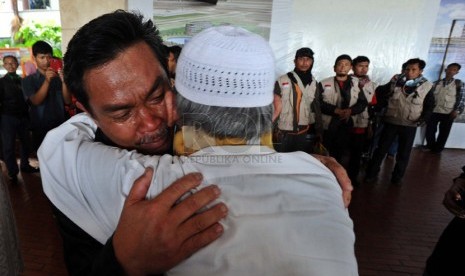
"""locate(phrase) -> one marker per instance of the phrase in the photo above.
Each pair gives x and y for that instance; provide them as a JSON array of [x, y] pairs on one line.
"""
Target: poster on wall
[[448, 42], [179, 20]]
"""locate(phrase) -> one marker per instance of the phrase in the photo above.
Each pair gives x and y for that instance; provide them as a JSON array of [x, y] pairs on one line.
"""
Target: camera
[[56, 64]]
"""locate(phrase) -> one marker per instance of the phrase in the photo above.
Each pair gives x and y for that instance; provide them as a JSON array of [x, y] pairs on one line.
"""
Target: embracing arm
[[167, 231], [154, 235], [341, 176], [127, 253]]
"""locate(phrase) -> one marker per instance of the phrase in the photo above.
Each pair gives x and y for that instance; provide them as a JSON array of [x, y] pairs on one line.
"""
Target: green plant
[[4, 42], [32, 32]]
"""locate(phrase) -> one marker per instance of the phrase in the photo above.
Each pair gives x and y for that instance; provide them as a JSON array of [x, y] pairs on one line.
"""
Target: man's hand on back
[[154, 235], [341, 176]]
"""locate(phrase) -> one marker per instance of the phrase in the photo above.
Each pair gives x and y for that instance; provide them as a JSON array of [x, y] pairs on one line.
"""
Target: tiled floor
[[40, 240], [396, 226]]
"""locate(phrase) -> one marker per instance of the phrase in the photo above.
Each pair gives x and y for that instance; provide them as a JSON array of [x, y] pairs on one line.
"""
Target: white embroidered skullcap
[[226, 66]]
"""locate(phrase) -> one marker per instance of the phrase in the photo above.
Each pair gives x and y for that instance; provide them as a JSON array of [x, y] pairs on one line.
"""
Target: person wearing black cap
[[296, 111], [340, 99]]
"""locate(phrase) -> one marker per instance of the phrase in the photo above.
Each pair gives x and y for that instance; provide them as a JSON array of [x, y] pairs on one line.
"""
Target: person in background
[[46, 94], [362, 132], [14, 121], [297, 113], [340, 100], [173, 55], [448, 254], [409, 102], [133, 111], [391, 154], [379, 113], [448, 94]]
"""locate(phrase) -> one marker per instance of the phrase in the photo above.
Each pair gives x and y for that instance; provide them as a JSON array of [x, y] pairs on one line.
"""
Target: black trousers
[[356, 146], [336, 140], [406, 138], [445, 124], [12, 127], [449, 253]]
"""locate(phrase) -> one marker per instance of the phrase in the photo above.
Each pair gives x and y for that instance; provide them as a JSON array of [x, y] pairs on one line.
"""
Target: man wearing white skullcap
[[286, 214]]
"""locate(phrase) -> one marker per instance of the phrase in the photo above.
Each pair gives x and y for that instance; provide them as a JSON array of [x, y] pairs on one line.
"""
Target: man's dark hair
[[359, 59], [404, 66], [421, 63], [41, 47], [176, 50], [101, 40], [454, 64], [304, 52], [11, 56], [166, 50], [342, 57]]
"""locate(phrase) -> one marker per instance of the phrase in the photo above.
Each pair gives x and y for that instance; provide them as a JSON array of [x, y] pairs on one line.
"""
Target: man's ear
[[81, 107], [170, 103]]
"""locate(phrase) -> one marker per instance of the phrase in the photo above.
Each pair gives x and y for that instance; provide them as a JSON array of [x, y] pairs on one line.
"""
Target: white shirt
[[286, 215]]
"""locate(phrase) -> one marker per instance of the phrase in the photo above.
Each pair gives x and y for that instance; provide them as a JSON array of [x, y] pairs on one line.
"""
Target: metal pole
[[447, 48]]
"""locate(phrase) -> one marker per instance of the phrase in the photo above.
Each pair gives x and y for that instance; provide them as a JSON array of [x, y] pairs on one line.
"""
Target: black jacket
[[12, 100]]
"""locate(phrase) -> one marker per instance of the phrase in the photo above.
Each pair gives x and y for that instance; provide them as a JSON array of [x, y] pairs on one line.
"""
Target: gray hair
[[221, 122]]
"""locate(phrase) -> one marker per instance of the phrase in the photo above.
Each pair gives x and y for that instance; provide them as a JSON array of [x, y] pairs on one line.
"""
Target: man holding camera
[[46, 94]]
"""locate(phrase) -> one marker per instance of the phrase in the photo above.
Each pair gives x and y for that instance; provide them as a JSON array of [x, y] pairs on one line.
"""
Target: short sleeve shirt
[[51, 112]]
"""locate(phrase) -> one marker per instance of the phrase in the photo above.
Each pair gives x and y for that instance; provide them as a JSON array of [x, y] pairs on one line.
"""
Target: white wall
[[77, 13], [455, 140], [281, 39], [388, 32], [142, 6]]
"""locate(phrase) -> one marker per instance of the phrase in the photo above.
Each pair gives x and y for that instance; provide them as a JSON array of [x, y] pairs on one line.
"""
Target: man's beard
[[162, 134]]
